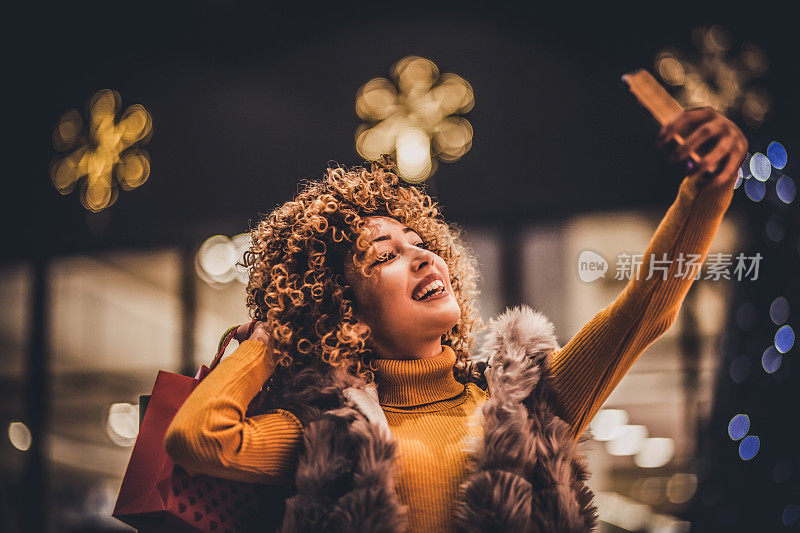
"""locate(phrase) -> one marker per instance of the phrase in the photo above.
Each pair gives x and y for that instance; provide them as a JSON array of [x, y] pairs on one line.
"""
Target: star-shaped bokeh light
[[103, 155], [416, 115]]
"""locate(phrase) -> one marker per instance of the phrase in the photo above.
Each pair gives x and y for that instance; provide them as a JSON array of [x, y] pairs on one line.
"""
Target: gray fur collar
[[527, 474]]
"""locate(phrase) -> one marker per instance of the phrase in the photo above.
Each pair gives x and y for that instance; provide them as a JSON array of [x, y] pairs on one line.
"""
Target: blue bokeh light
[[739, 178], [740, 368], [755, 190], [791, 514], [746, 316], [777, 154], [749, 446], [779, 310], [738, 426], [760, 166], [774, 228], [745, 168], [786, 190], [784, 338], [771, 360]]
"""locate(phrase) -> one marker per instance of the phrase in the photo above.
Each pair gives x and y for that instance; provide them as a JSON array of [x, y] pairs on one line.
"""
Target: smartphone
[[653, 97]]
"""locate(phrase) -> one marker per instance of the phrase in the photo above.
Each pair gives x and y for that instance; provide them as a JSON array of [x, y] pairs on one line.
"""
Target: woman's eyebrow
[[387, 237]]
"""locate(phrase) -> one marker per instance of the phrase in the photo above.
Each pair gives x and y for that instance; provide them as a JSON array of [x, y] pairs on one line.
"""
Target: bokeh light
[[122, 424], [606, 423], [20, 436], [628, 440], [655, 452], [779, 310], [681, 487], [713, 76], [777, 154], [771, 360], [217, 260], [739, 178], [746, 316], [649, 490], [755, 190], [749, 447], [774, 228], [790, 515], [740, 369], [784, 338], [760, 167], [106, 154], [785, 189], [417, 115], [738, 426]]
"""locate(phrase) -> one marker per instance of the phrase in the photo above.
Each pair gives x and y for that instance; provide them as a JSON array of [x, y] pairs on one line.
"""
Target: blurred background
[[145, 138]]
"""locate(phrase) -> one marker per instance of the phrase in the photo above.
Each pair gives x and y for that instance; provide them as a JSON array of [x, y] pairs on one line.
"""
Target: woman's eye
[[383, 257], [424, 245]]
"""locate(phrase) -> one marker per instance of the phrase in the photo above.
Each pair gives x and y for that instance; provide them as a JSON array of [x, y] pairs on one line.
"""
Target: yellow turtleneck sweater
[[428, 411]]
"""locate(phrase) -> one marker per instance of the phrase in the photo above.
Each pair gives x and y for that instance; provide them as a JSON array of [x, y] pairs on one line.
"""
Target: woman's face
[[408, 301]]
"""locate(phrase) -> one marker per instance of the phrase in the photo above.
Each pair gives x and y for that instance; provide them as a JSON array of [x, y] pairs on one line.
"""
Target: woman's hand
[[259, 333], [719, 143]]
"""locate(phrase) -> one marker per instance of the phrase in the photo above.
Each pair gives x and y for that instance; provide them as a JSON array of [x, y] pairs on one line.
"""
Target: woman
[[358, 282]]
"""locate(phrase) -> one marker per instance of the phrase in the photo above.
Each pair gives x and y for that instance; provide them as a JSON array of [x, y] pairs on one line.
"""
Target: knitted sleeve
[[592, 363], [211, 435]]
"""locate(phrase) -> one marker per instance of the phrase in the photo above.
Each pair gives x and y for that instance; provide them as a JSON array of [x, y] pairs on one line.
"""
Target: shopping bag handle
[[226, 339]]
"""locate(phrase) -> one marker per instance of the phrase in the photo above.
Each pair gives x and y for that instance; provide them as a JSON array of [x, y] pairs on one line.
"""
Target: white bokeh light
[[122, 425], [655, 452], [607, 422], [628, 440], [20, 436]]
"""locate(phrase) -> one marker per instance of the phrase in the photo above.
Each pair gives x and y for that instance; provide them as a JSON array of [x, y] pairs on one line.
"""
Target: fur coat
[[526, 474]]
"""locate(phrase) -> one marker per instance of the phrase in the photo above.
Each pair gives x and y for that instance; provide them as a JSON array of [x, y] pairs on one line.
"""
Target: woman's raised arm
[[592, 363], [211, 434]]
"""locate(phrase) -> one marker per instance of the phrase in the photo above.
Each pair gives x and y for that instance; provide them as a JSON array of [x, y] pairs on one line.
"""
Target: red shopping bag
[[158, 496]]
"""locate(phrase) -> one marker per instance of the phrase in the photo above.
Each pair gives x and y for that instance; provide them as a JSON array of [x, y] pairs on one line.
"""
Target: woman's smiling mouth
[[431, 287]]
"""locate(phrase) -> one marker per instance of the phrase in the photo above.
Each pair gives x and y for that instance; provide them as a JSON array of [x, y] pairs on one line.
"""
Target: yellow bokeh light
[[713, 78], [419, 102], [105, 156]]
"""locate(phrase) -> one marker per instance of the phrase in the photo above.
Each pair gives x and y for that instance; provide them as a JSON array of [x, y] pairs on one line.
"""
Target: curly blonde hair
[[298, 259]]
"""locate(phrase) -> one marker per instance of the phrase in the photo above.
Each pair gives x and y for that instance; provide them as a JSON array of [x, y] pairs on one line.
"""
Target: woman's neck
[[418, 381], [408, 351]]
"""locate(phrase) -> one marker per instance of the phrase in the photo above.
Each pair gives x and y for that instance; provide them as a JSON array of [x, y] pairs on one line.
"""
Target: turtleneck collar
[[414, 382]]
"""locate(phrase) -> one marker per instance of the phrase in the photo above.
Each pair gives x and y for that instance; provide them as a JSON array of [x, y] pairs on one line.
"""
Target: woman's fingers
[[683, 122], [710, 161], [708, 131]]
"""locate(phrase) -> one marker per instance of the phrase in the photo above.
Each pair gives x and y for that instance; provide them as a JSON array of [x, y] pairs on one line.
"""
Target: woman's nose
[[421, 259]]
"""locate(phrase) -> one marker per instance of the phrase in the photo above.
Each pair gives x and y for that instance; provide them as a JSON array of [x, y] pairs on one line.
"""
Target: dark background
[[248, 97]]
